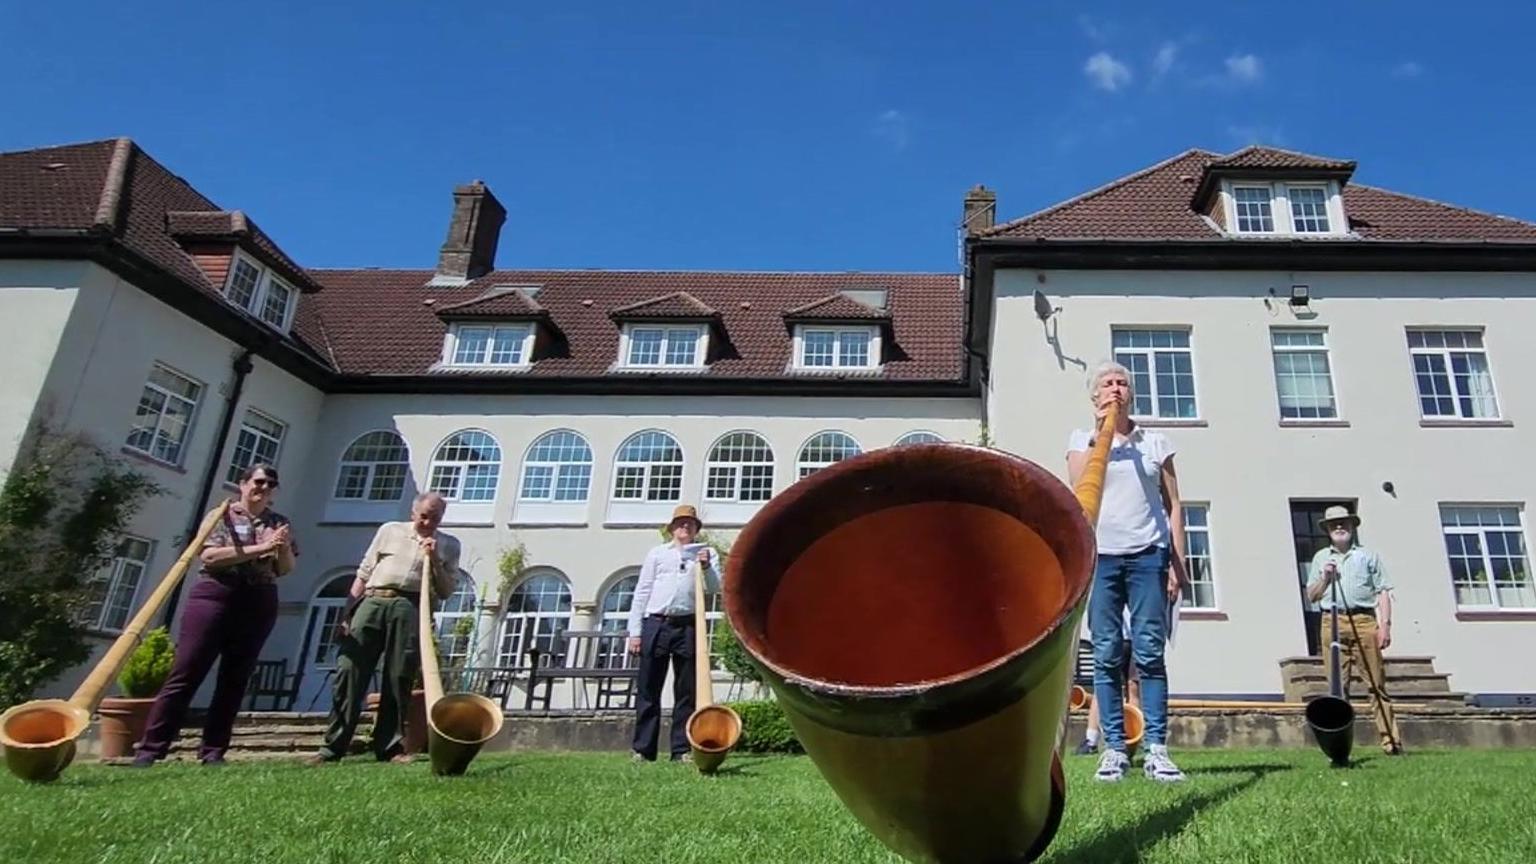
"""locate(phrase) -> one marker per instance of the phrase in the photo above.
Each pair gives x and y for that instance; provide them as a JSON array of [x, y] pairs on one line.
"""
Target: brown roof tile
[[377, 323], [498, 301], [1272, 157], [679, 305], [836, 307]]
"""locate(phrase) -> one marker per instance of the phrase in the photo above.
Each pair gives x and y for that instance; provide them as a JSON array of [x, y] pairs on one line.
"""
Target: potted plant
[[123, 719]]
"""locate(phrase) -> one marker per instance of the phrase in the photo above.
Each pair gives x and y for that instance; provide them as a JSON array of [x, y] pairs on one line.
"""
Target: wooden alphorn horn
[[713, 730], [458, 724], [39, 736], [915, 611]]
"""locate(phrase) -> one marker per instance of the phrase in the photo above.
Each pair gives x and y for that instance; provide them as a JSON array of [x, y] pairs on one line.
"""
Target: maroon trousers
[[226, 622]]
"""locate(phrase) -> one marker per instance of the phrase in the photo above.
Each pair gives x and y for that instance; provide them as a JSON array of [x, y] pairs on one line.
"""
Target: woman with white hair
[[1140, 565]]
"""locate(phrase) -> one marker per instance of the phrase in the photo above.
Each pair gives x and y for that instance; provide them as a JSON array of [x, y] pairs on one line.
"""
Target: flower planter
[[415, 719], [122, 725]]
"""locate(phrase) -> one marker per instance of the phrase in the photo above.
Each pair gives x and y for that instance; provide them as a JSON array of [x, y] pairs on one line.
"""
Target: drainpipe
[[242, 367]]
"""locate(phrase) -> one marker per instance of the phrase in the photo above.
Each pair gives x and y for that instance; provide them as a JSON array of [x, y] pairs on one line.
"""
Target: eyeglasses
[[262, 483]]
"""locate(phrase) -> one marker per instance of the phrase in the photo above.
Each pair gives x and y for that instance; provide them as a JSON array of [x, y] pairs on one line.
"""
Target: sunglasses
[[263, 483]]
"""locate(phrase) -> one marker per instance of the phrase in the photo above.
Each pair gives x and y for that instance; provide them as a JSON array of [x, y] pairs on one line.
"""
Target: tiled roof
[[1271, 157], [679, 305], [836, 307], [378, 324], [495, 302], [1155, 204], [235, 225]]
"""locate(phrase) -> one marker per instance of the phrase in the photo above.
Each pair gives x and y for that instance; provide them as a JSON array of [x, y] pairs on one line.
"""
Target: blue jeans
[[1140, 581]]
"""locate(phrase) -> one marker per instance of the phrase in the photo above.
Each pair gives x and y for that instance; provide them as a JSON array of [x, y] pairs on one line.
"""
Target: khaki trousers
[[1357, 644]]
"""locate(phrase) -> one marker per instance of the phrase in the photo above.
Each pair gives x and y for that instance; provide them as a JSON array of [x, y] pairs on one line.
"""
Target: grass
[[1238, 806]]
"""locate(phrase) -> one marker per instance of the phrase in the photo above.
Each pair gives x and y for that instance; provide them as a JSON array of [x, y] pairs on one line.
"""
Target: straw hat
[[1338, 513], [686, 511]]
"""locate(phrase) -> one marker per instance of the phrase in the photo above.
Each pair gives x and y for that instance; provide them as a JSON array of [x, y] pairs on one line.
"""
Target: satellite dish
[[1043, 308]]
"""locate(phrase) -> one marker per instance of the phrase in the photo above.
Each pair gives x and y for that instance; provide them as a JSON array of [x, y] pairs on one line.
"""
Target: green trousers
[[381, 626]]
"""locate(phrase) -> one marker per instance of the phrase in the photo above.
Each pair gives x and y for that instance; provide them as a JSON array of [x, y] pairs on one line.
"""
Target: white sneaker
[[1112, 766], [1161, 768]]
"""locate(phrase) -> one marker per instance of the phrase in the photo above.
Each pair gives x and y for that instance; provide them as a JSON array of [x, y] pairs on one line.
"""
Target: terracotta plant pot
[[415, 719], [122, 725]]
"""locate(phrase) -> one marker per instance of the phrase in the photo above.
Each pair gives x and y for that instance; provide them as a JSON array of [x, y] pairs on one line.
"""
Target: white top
[[1131, 514], [665, 586]]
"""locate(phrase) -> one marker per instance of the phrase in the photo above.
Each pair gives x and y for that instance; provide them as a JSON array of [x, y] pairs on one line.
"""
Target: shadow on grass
[[1128, 843], [1260, 768]]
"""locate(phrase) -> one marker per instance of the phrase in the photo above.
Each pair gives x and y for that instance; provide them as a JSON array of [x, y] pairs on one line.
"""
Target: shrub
[[764, 728], [732, 656], [148, 665]]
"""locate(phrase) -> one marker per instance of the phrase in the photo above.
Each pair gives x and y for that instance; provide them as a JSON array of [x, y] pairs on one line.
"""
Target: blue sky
[[789, 135]]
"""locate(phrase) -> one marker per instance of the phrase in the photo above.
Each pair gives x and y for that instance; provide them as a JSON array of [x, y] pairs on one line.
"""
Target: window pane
[[682, 346], [471, 344], [274, 309], [538, 482], [572, 482], [242, 283], [1309, 210], [855, 348], [352, 482], [818, 347], [507, 346], [1253, 209], [645, 347]]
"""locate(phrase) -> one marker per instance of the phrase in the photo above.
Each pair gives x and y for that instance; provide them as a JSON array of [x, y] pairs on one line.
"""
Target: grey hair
[[1110, 368], [431, 499]]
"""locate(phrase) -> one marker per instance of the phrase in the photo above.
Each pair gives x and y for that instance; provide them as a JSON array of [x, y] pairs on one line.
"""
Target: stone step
[[1409, 665], [1416, 685]]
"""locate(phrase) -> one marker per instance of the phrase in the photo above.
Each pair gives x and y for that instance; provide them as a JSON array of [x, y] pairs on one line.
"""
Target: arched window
[[919, 437], [825, 448], [649, 467], [456, 622], [558, 468], [373, 468], [467, 467], [740, 468], [620, 598], [538, 611]]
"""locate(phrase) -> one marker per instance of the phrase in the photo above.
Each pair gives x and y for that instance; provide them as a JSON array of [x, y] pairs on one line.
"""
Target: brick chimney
[[470, 250], [980, 210]]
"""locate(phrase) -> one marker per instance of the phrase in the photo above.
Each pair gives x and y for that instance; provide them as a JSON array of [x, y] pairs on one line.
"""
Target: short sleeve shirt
[[240, 528], [1131, 514]]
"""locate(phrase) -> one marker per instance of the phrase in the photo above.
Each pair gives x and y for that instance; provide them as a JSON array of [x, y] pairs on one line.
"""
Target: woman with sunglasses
[[229, 613]]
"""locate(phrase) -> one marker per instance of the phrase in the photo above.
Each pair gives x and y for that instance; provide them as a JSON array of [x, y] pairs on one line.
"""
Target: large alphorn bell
[[713, 730], [916, 610], [458, 724], [39, 736], [1331, 718]]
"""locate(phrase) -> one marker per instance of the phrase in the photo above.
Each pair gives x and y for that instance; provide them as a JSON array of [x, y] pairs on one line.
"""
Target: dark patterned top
[[239, 528]]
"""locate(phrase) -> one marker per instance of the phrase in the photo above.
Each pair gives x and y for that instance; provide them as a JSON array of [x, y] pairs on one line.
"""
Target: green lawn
[[1238, 806]]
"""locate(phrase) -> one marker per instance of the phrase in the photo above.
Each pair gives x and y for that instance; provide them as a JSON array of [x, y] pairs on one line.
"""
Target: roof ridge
[[1097, 191], [831, 298], [662, 298], [92, 143], [1437, 203], [110, 203], [1287, 151]]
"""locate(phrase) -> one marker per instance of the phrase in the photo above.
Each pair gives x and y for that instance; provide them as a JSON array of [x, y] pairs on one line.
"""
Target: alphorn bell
[[458, 724], [915, 611], [1331, 718], [39, 736], [713, 730]]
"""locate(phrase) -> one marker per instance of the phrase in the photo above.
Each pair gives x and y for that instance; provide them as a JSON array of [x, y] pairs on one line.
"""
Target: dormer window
[[488, 345], [1284, 208], [834, 348], [664, 346], [258, 291]]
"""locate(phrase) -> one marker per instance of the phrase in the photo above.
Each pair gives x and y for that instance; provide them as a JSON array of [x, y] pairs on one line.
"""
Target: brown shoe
[[316, 759], [401, 759]]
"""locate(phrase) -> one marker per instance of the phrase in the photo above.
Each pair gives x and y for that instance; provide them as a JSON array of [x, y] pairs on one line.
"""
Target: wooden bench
[[600, 656], [272, 680]]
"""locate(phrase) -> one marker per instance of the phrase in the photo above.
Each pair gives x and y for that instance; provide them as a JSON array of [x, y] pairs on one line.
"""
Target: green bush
[[148, 666], [732, 656], [764, 728]]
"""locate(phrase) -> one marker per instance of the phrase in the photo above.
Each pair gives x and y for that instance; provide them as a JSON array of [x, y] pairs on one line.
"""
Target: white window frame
[[1187, 602], [1456, 395], [668, 331], [1495, 605], [1280, 207], [871, 361], [1151, 393], [1325, 350], [115, 592], [186, 436], [455, 331], [918, 436], [517, 629], [257, 305], [617, 620], [736, 466], [449, 613], [371, 470], [644, 509], [232, 473], [477, 511], [547, 509], [805, 468]]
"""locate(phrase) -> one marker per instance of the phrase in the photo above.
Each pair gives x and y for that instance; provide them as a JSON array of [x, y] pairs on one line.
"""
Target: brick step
[[1410, 665], [1425, 685]]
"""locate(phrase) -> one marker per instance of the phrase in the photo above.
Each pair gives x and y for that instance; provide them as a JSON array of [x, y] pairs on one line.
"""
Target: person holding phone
[[661, 631]]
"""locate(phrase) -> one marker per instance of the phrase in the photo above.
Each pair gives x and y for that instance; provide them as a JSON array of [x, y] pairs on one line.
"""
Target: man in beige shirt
[[381, 620]]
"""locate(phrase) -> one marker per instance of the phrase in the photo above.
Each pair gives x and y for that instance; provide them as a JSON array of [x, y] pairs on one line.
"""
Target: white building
[[569, 411]]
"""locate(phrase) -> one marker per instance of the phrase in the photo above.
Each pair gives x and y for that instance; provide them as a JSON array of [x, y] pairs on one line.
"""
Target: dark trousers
[[663, 640], [224, 622], [381, 627]]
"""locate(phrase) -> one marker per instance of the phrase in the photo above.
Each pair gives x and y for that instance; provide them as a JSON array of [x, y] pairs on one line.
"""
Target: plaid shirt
[[239, 528]]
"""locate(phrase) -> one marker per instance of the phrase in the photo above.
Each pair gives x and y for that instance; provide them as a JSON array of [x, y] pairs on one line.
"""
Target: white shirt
[[1131, 514], [665, 586]]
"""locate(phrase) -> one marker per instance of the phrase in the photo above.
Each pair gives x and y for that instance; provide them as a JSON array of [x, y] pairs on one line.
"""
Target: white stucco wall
[[36, 299], [1248, 466]]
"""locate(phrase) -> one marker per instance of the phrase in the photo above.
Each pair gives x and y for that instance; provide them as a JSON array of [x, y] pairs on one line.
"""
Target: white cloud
[[1407, 69], [1167, 53], [1106, 72], [1257, 133], [1244, 69], [1090, 29], [893, 128]]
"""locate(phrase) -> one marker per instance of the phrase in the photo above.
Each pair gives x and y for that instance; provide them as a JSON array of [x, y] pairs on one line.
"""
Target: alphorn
[[713, 730], [458, 724], [1331, 718], [915, 611], [39, 736]]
